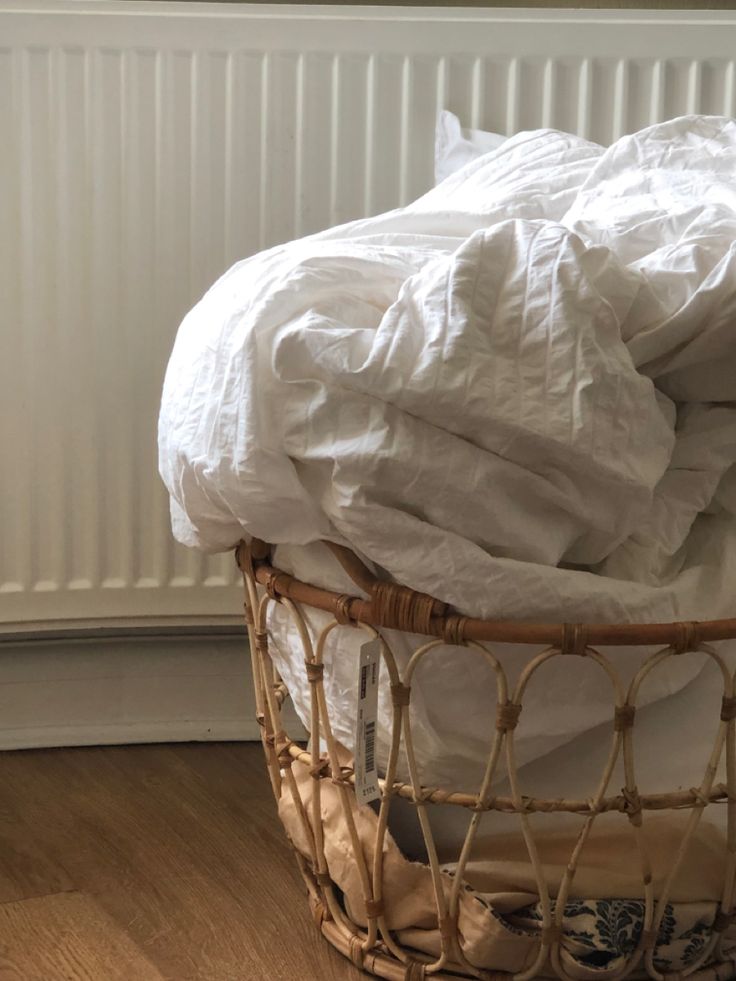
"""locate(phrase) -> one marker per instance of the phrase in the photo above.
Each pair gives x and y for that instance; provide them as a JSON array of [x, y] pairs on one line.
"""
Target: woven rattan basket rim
[[401, 608]]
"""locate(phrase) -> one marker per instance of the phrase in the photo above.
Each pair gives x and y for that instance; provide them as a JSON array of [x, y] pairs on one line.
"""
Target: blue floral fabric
[[602, 932]]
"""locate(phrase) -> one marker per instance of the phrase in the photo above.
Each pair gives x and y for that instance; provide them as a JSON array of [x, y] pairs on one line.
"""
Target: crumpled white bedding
[[515, 394], [454, 147]]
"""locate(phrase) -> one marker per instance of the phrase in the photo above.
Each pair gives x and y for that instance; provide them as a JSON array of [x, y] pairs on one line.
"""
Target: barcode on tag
[[366, 776]]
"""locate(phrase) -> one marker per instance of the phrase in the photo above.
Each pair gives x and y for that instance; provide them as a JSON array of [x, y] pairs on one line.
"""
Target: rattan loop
[[415, 971], [623, 717], [574, 639]]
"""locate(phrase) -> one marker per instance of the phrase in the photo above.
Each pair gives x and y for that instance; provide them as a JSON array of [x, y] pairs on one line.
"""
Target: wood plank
[[26, 870], [67, 937], [182, 847]]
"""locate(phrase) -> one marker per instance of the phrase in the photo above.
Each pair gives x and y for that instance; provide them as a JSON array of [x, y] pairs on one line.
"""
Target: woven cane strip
[[401, 608], [343, 789], [400, 694], [702, 793], [276, 584], [453, 629], [389, 662], [507, 715], [624, 717], [547, 937], [270, 709], [251, 605], [573, 863], [296, 797], [676, 800], [342, 609], [634, 811], [688, 638], [574, 639], [317, 768], [496, 738], [315, 672], [421, 810], [501, 631], [314, 833]]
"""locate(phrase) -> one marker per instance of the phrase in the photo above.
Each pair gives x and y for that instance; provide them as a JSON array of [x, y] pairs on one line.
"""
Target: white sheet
[[452, 389], [455, 146]]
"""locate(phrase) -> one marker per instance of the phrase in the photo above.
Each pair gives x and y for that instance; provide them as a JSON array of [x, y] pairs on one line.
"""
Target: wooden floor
[[143, 863]]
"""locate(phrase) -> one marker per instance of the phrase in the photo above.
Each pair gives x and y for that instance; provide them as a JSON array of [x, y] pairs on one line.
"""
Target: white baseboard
[[127, 733], [108, 691]]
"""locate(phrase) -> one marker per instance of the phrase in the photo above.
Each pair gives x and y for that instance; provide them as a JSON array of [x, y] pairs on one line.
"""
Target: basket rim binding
[[398, 607]]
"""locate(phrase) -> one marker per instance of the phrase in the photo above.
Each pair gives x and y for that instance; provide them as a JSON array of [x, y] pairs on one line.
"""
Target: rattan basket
[[315, 784]]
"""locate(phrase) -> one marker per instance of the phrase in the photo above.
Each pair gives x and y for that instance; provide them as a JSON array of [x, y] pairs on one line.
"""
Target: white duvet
[[517, 394]]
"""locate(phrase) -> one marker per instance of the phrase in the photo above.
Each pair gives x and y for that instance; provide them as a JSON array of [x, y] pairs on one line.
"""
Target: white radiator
[[146, 146]]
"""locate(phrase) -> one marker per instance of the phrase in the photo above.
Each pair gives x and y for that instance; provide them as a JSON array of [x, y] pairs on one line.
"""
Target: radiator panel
[[149, 146]]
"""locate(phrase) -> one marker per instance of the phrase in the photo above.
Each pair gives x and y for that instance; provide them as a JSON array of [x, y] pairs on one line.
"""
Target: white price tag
[[366, 776]]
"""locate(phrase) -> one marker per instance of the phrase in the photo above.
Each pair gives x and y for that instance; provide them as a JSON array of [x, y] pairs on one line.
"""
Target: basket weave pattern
[[375, 948]]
